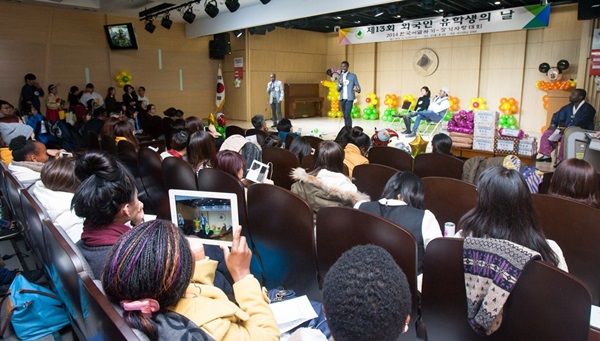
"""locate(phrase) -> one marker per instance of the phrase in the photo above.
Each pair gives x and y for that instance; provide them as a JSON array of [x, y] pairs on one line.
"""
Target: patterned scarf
[[492, 268]]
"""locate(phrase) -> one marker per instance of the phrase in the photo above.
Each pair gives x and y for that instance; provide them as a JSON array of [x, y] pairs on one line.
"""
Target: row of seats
[[93, 317]]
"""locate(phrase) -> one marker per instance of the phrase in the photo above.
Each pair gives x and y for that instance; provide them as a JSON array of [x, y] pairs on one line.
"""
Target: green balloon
[[514, 126], [511, 120]]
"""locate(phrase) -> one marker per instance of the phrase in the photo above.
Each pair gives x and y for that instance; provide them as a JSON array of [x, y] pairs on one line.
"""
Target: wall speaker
[[588, 9]]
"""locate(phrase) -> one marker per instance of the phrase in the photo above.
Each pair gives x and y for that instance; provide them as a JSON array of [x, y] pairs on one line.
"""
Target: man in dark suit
[[347, 86], [577, 113]]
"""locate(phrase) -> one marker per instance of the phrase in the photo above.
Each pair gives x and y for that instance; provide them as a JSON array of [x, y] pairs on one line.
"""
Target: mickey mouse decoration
[[554, 73]]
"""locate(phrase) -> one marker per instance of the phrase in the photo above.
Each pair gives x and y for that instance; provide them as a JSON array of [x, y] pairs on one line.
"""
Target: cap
[[446, 90]]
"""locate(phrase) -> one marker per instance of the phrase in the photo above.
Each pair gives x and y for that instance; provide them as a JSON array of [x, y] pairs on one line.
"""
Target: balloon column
[[371, 112], [123, 78], [221, 121], [509, 107], [545, 99], [454, 107], [334, 96], [392, 102], [477, 103]]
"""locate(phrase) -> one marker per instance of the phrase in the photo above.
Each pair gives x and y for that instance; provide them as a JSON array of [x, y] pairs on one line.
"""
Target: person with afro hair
[[366, 296]]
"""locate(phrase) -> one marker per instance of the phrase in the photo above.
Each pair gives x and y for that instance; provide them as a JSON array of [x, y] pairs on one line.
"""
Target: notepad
[[555, 135], [292, 313]]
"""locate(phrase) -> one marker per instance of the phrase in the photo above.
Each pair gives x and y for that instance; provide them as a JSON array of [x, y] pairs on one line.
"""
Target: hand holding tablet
[[238, 259]]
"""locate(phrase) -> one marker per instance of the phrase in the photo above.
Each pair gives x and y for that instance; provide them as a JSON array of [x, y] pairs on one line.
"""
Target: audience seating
[[307, 162], [283, 162], [288, 141], [233, 130], [341, 228], [372, 178], [93, 140], [178, 174], [167, 128], [575, 228], [33, 215], [314, 141], [545, 304], [392, 157], [281, 225], [438, 165], [157, 128], [448, 199], [544, 186], [108, 144], [261, 136], [128, 156], [152, 178]]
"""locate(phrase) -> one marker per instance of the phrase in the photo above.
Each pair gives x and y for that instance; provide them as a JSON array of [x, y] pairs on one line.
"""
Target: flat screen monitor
[[121, 36]]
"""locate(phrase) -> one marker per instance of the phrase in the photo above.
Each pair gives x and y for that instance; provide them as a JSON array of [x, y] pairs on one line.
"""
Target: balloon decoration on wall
[[391, 101], [410, 98], [545, 100], [371, 112], [123, 78], [554, 75], [454, 107], [477, 103], [333, 95], [237, 83], [508, 106]]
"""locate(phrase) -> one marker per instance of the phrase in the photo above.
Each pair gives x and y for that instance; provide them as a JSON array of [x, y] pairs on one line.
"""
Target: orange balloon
[[512, 101], [546, 105], [514, 108], [508, 112], [502, 100], [545, 98]]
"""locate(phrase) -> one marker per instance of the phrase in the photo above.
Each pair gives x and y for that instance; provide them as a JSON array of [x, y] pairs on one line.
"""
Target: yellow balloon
[[374, 101], [418, 145], [122, 73], [117, 77], [130, 76], [211, 119], [121, 84]]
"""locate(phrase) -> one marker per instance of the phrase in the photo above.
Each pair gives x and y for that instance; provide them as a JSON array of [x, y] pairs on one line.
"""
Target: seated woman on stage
[[402, 203], [106, 199], [505, 211], [326, 185], [422, 104], [153, 269], [576, 179]]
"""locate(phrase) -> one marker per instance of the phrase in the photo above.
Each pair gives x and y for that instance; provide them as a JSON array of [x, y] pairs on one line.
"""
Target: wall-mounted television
[[121, 36]]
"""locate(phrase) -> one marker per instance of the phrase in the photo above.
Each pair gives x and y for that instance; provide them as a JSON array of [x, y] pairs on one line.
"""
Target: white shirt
[[344, 85], [144, 99], [94, 95], [439, 104]]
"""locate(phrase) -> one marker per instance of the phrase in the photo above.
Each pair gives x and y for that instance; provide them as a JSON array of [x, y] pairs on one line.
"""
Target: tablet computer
[[211, 216]]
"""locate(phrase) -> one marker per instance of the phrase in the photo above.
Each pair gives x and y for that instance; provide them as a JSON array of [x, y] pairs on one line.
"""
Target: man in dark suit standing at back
[[347, 85]]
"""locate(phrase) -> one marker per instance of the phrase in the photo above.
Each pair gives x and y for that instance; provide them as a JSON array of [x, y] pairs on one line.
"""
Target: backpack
[[33, 310]]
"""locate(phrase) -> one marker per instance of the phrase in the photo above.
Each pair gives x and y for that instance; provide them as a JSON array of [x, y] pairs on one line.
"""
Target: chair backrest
[[261, 136], [438, 165], [575, 227], [167, 126], [283, 162], [448, 199], [281, 224], [288, 141], [314, 142], [214, 180], [128, 156], [34, 215], [527, 314], [371, 178], [232, 130], [544, 186], [93, 140], [102, 321], [341, 228], [392, 157], [13, 195], [308, 161], [152, 178], [178, 174], [157, 127], [108, 144]]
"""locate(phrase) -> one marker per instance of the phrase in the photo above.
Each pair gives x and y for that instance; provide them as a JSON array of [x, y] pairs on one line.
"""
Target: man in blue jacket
[[347, 86], [577, 113]]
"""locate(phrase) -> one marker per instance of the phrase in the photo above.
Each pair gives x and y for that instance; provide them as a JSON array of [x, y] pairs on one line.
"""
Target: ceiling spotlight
[[393, 9], [428, 4], [497, 3], [238, 33], [232, 5], [166, 22], [337, 18], [150, 27], [189, 15], [264, 2], [377, 12], [288, 24], [210, 7], [270, 28], [252, 30]]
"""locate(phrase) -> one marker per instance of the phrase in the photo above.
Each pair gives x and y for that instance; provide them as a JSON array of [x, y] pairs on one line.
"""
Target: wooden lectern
[[556, 100]]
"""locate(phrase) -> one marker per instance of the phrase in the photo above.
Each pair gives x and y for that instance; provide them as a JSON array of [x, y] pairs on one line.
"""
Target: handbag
[[33, 310]]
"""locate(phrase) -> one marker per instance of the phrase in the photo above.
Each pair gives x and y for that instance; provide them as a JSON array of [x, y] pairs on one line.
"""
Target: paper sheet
[[293, 312], [595, 317], [555, 135]]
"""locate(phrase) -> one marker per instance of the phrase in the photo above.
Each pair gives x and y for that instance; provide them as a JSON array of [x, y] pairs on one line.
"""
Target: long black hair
[[408, 187], [505, 211]]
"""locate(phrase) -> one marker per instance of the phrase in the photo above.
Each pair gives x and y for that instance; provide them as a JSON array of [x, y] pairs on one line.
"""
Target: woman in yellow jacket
[[152, 269], [356, 149]]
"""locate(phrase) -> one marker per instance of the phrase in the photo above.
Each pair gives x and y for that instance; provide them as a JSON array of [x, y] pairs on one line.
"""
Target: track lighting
[[150, 27], [189, 15], [232, 5], [211, 8], [166, 22], [238, 33]]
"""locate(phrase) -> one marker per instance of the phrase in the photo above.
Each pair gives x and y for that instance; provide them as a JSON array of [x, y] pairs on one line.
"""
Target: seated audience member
[[55, 192], [258, 122], [402, 203], [250, 152], [28, 159], [271, 141], [7, 113], [194, 124], [94, 122], [179, 145], [366, 296], [74, 97], [284, 128], [441, 144], [124, 132], [356, 149], [106, 199], [5, 153], [201, 150], [231, 163], [577, 113], [435, 112], [301, 147], [343, 134], [142, 96], [152, 270], [326, 185], [108, 128], [505, 211], [576, 179], [133, 118]]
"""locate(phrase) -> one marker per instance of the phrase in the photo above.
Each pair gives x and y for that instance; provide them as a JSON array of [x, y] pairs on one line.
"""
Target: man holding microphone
[[275, 91], [347, 86]]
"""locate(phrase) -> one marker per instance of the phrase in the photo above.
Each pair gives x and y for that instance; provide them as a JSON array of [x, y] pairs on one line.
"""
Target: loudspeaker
[[588, 9], [222, 38], [216, 50]]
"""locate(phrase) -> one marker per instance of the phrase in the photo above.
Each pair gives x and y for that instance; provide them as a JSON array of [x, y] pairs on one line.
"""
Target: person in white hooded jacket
[[55, 192]]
